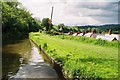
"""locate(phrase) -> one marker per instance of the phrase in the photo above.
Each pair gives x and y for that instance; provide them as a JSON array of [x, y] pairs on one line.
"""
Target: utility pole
[[51, 13], [51, 19]]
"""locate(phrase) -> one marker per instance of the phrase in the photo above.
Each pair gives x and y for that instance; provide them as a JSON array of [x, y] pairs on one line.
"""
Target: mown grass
[[78, 59]]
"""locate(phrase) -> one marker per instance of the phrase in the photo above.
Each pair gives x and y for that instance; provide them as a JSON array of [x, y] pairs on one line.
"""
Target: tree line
[[17, 22]]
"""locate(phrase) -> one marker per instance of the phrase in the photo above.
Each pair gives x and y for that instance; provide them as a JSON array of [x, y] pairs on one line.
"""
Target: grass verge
[[78, 59]]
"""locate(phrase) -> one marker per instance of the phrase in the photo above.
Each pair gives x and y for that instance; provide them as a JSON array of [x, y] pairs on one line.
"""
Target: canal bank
[[51, 61]]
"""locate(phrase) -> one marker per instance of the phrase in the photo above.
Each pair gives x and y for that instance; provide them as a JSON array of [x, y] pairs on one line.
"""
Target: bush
[[45, 46]]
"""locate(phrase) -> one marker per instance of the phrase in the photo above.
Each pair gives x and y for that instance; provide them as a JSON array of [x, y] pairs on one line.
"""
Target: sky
[[75, 12]]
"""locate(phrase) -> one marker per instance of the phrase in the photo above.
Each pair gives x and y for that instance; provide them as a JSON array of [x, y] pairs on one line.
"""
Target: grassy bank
[[80, 59], [94, 41]]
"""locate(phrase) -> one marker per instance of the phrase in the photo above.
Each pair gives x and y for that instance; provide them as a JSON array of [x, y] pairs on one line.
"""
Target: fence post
[[40, 48]]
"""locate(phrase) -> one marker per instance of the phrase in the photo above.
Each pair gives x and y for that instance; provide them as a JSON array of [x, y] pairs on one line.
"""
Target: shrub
[[45, 46]]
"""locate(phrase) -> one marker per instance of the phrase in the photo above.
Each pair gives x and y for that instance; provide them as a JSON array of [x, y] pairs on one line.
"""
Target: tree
[[89, 29], [61, 27], [78, 28], [17, 22], [47, 24]]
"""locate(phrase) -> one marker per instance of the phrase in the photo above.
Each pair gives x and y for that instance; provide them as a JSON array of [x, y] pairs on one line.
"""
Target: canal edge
[[51, 61]]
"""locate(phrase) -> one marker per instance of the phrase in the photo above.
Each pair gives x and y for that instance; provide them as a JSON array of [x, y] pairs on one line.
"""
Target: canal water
[[23, 60]]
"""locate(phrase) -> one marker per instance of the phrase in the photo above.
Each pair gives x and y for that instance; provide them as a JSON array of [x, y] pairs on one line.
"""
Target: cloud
[[77, 12], [108, 6]]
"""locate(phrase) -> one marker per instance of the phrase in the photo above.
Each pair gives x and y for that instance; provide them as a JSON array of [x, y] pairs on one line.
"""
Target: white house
[[75, 34], [108, 37], [88, 34], [116, 36], [94, 35]]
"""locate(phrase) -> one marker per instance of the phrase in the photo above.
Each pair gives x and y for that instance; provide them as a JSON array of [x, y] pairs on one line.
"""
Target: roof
[[75, 34], [98, 36], [108, 37], [88, 34], [81, 34], [94, 35]]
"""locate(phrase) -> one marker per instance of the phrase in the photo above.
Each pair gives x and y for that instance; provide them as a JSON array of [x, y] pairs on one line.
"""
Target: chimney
[[110, 31], [83, 33]]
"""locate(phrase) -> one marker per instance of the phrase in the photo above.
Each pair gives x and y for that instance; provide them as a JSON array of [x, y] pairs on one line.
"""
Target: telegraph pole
[[51, 13], [51, 19]]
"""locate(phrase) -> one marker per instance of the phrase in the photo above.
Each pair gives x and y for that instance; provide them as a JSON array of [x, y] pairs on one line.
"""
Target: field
[[80, 59]]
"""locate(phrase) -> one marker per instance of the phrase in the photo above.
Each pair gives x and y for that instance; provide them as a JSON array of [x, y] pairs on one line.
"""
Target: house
[[81, 34], [116, 36], [88, 34], [70, 33], [108, 37], [75, 34], [94, 35]]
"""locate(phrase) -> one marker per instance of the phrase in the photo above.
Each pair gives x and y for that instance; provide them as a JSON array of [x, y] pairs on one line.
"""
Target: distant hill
[[101, 26], [106, 27]]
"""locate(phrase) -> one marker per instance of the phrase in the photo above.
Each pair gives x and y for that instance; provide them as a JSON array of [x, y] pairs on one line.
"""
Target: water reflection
[[10, 64], [36, 68], [40, 70], [22, 60], [14, 56], [36, 57]]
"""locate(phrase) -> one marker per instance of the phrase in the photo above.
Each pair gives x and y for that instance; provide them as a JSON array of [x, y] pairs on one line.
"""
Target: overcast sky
[[75, 12]]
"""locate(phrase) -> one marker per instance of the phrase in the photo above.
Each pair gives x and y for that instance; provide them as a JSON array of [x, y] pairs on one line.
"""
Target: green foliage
[[99, 29], [45, 23], [61, 27], [45, 46], [99, 42], [71, 28], [103, 28], [53, 32], [17, 22], [80, 57]]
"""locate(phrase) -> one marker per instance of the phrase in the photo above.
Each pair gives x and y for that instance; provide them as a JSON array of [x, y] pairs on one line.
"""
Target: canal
[[23, 60]]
